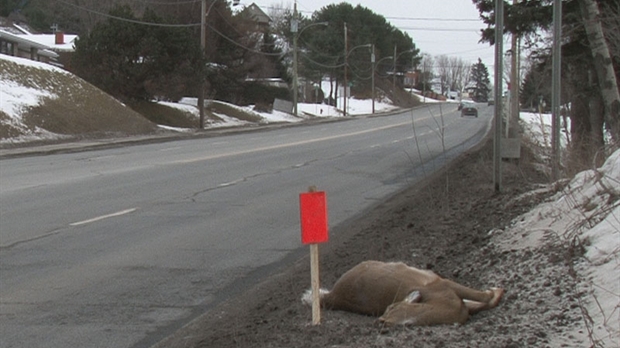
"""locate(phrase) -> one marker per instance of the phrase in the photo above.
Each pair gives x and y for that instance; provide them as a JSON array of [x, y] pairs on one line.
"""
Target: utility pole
[[394, 71], [424, 80], [414, 76], [203, 44], [514, 85], [499, 70], [346, 56], [296, 33], [372, 64], [204, 13], [294, 30], [556, 88]]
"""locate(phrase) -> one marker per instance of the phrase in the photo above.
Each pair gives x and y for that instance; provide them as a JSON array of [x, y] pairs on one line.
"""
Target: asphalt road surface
[[120, 247]]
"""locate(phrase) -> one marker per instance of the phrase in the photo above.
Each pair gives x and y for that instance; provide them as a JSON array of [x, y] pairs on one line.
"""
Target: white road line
[[230, 183], [279, 146], [170, 149], [122, 212]]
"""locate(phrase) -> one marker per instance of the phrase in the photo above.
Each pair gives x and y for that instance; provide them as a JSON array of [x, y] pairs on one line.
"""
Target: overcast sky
[[450, 27]]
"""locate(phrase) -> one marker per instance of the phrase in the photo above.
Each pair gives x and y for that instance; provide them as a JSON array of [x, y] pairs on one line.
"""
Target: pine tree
[[535, 89], [480, 79], [137, 62], [588, 63]]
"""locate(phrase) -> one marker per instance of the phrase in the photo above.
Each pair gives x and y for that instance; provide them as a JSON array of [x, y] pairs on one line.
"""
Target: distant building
[[19, 41], [257, 15], [411, 78], [263, 69]]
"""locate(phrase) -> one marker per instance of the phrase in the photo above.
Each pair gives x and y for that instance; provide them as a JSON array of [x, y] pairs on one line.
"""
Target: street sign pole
[[313, 213]]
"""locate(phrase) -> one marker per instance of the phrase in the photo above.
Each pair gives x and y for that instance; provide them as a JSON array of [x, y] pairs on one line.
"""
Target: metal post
[[394, 71], [346, 54], [424, 82], [203, 44], [372, 63], [294, 30], [556, 88], [413, 77], [296, 33], [499, 70], [514, 84]]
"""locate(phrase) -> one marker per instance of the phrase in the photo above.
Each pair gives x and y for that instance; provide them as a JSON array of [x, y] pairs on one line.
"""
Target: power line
[[173, 26], [135, 21], [181, 25], [321, 64], [269, 7], [437, 29], [168, 2], [433, 19], [241, 45]]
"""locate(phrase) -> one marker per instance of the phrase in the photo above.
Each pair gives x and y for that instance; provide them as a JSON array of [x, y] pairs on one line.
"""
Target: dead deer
[[404, 295]]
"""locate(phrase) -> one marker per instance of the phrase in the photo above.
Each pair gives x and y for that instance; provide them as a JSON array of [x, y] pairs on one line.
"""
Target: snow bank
[[32, 63], [586, 211], [538, 128], [16, 96], [18, 93]]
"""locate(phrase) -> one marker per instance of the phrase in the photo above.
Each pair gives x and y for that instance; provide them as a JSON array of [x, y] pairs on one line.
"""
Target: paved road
[[119, 247]]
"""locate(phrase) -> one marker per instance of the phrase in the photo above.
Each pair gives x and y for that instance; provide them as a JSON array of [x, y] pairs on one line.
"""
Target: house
[[261, 68], [19, 41], [411, 78], [258, 16]]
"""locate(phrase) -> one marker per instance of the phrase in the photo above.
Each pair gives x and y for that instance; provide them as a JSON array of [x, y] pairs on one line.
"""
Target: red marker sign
[[313, 207]]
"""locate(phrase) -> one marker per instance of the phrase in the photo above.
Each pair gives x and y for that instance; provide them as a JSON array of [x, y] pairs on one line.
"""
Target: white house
[[18, 41]]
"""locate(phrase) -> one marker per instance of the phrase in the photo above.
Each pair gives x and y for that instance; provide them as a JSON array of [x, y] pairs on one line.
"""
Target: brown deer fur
[[405, 295]]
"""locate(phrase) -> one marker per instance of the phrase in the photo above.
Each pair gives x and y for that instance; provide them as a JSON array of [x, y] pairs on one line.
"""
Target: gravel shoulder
[[452, 223]]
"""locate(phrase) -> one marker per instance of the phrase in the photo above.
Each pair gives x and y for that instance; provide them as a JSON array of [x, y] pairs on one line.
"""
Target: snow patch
[[586, 210]]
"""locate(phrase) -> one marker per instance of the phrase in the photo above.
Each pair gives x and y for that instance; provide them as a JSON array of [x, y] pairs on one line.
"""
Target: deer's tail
[[306, 298]]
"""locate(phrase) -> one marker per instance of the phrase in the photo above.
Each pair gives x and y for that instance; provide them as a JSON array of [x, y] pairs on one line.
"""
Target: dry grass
[[74, 108], [221, 108], [165, 115]]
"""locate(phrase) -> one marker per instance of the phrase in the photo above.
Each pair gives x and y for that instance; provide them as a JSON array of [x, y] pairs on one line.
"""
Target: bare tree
[[426, 65], [459, 73], [610, 18], [603, 65], [453, 73], [279, 13], [443, 71]]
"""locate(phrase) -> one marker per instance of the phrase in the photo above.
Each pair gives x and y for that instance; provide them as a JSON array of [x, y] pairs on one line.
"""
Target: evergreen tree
[[588, 63], [480, 79], [138, 62], [325, 52], [535, 91]]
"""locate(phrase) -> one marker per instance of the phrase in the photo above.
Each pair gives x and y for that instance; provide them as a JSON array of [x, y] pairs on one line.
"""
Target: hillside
[[44, 102]]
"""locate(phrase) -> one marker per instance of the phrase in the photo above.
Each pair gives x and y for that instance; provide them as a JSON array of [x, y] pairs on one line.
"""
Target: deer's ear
[[413, 297]]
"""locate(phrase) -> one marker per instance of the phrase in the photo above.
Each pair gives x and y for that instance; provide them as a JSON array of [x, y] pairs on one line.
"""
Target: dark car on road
[[469, 109]]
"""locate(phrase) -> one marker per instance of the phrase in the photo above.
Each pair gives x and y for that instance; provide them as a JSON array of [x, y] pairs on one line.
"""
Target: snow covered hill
[[42, 102]]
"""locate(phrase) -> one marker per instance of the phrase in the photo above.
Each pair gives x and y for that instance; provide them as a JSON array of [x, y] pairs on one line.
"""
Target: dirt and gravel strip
[[450, 223]]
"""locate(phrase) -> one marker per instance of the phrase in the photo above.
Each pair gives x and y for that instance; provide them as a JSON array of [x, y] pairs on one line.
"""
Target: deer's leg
[[446, 310], [476, 300]]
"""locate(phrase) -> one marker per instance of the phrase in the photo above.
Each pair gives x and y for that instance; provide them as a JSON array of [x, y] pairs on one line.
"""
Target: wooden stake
[[314, 274], [317, 235]]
